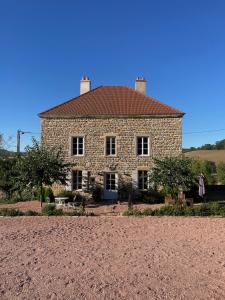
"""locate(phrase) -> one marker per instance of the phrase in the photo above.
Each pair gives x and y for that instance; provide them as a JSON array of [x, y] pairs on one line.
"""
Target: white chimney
[[85, 85], [140, 85]]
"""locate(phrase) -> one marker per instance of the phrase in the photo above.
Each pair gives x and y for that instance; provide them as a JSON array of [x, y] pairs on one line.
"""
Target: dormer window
[[78, 145], [143, 145]]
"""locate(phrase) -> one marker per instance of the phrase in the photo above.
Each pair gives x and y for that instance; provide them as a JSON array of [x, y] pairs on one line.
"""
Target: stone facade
[[165, 135]]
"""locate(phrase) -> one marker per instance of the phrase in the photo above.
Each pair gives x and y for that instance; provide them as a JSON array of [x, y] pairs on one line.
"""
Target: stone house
[[112, 134]]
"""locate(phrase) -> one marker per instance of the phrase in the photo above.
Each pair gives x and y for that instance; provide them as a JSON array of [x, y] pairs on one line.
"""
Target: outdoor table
[[61, 200]]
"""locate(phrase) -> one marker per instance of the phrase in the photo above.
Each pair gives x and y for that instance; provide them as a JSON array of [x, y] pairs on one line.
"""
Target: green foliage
[[10, 212], [96, 192], [219, 145], [46, 193], [42, 166], [221, 172], [31, 213], [8, 201], [208, 168], [173, 174], [132, 212], [51, 210], [209, 209], [152, 196], [8, 174]]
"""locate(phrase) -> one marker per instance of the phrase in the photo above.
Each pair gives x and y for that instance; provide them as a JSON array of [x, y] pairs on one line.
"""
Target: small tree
[[8, 175], [42, 166], [221, 172], [172, 174], [208, 168]]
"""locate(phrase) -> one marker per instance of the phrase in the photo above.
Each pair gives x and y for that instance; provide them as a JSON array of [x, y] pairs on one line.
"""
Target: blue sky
[[178, 46]]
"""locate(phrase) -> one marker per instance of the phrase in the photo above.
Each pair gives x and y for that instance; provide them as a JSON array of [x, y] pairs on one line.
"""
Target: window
[[143, 145], [110, 145], [77, 180], [142, 180], [78, 145], [110, 181]]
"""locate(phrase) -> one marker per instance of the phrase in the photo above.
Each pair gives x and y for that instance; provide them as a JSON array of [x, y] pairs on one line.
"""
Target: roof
[[111, 101]]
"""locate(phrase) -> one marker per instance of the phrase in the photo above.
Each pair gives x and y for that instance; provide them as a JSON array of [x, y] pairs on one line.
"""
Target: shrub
[[210, 209], [151, 196], [132, 212], [148, 212], [10, 212], [49, 194], [6, 201], [51, 210], [31, 213]]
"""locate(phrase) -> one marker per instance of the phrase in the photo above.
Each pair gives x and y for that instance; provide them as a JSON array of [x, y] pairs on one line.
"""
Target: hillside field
[[211, 155]]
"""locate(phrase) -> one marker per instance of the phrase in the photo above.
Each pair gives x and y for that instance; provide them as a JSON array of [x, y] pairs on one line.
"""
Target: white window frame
[[142, 137], [77, 181], [77, 137], [143, 182], [110, 146]]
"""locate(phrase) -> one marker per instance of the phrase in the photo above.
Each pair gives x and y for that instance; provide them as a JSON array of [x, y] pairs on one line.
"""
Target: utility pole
[[19, 132]]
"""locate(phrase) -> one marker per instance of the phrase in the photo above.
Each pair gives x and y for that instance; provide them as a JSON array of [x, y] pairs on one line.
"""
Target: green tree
[[42, 166], [208, 168], [8, 175], [173, 174], [221, 172]]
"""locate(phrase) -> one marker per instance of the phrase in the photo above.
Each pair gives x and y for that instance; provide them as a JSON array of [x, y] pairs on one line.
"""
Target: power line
[[204, 131]]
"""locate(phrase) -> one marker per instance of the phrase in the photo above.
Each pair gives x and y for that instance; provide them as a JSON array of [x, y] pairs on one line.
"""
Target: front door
[[111, 186]]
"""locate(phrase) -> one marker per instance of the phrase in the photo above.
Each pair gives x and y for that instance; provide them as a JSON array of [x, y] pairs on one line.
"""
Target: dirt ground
[[112, 258]]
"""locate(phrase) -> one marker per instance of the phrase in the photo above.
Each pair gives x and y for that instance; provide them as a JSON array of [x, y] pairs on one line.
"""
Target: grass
[[5, 201], [211, 155]]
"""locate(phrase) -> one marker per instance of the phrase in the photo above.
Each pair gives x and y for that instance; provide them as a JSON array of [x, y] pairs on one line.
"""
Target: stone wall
[[165, 140]]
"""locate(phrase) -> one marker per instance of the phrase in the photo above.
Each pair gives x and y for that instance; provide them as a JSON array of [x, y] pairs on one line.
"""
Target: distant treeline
[[219, 145]]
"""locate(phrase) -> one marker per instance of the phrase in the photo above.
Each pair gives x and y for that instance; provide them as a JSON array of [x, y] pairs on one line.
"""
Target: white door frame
[[110, 188]]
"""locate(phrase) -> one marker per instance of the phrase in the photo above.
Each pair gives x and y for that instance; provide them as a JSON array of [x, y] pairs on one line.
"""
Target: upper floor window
[[142, 180], [77, 180], [143, 145], [110, 145], [78, 145]]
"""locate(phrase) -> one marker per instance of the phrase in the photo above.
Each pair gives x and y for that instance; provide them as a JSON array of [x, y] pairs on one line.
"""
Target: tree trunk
[[41, 194]]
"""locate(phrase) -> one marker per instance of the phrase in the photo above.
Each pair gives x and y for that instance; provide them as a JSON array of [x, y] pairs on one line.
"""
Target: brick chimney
[[85, 85], [140, 85]]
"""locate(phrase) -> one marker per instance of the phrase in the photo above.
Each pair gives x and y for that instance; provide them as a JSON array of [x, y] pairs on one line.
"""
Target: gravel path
[[112, 258]]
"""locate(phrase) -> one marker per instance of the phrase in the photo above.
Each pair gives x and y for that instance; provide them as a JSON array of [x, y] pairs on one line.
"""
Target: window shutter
[[134, 180], [84, 180], [69, 182]]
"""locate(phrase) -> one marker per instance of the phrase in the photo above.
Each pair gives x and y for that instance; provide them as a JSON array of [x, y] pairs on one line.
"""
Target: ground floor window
[[77, 180], [142, 180]]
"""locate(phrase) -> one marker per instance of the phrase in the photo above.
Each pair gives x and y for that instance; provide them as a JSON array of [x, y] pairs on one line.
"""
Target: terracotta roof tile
[[110, 101]]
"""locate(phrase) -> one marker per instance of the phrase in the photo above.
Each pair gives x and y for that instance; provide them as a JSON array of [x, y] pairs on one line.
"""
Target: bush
[[31, 213], [152, 196], [132, 212], [10, 212], [210, 209], [49, 195], [6, 201], [51, 210]]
